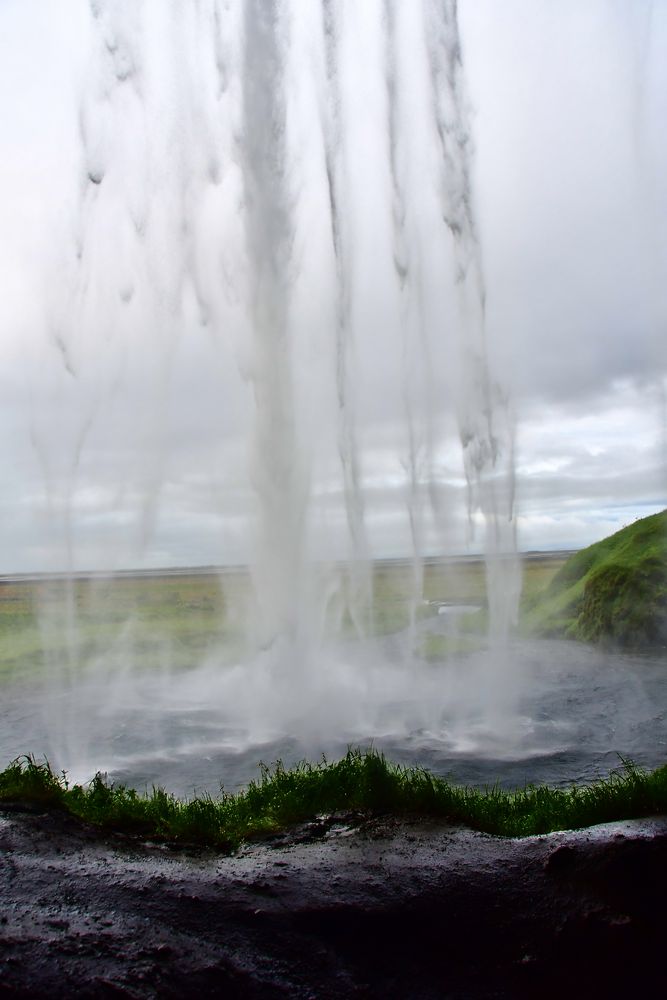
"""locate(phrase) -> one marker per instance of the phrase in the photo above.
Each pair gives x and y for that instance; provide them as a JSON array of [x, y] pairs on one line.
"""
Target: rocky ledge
[[348, 907]]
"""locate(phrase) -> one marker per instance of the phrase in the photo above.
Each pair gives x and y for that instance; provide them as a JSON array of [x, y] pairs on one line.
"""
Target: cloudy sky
[[166, 260]]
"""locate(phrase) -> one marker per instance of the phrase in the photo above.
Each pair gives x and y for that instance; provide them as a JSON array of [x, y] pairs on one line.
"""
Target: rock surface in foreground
[[381, 910]]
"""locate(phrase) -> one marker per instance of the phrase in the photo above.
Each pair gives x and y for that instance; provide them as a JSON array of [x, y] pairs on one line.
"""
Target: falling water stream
[[286, 190]]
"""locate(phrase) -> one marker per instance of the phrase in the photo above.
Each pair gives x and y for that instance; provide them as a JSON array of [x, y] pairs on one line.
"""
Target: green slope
[[614, 591]]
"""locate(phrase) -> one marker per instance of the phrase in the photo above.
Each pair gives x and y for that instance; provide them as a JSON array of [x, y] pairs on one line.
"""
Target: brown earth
[[348, 907]]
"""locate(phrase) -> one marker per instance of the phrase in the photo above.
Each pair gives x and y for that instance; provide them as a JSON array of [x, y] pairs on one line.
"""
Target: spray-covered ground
[[154, 686]]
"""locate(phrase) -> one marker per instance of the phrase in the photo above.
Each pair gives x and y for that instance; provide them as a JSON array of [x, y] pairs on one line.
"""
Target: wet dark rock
[[561, 860], [372, 908]]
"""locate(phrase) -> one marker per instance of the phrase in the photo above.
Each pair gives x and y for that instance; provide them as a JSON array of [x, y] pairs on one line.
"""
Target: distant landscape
[[613, 591], [188, 611]]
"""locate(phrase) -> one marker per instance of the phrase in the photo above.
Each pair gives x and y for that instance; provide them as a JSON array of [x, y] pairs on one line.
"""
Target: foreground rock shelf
[[359, 906]]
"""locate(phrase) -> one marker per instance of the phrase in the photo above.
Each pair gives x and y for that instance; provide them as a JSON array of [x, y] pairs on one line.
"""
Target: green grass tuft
[[33, 782], [359, 781]]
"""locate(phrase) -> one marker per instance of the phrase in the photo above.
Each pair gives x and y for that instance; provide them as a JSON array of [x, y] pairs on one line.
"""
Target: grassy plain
[[151, 616], [181, 616]]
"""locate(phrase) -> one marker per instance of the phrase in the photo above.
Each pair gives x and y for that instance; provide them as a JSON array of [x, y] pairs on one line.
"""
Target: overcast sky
[[129, 369]]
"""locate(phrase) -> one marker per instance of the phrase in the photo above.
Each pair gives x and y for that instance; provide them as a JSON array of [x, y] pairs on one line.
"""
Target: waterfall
[[272, 221], [484, 411]]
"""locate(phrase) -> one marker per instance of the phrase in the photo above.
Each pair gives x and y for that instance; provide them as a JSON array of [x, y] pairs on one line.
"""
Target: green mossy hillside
[[613, 592]]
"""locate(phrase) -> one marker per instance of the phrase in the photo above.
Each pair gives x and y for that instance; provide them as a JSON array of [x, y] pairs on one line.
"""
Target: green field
[[177, 618]]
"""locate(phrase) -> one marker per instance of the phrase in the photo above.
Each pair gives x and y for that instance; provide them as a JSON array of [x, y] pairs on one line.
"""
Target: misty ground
[[354, 906]]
